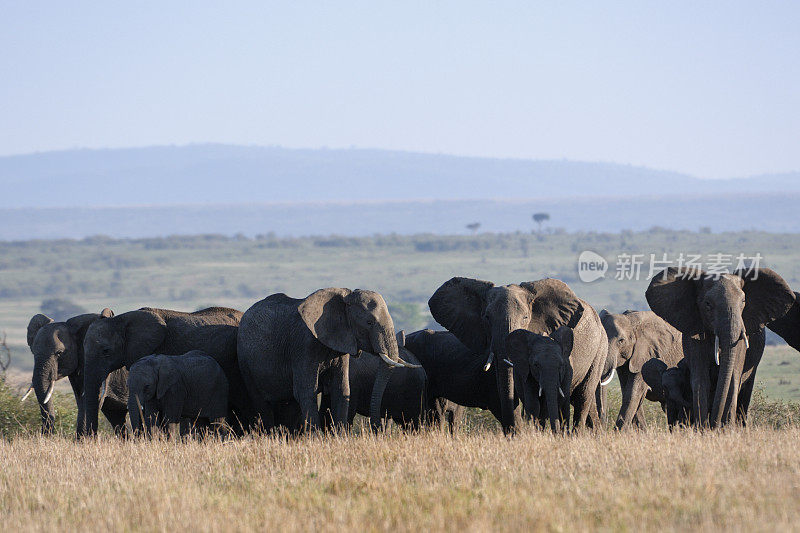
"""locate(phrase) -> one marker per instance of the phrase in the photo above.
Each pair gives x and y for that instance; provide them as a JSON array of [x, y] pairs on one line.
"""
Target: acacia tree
[[474, 227], [539, 218]]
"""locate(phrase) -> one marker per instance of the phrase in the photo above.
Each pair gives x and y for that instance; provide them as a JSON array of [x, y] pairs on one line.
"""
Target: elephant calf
[[672, 388], [166, 388]]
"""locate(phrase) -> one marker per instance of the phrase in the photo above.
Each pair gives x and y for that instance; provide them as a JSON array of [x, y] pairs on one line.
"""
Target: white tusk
[[716, 349], [409, 365], [606, 382], [509, 363], [49, 392], [488, 364], [561, 392], [388, 361], [30, 390], [746, 342], [540, 391]]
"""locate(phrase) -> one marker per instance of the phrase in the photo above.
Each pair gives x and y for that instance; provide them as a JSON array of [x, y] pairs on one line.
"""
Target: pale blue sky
[[708, 88]]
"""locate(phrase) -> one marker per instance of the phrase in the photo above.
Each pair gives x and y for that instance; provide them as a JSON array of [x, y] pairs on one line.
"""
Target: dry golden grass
[[653, 480]]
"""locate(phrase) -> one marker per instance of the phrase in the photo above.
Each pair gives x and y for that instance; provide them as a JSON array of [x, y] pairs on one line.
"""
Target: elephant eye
[[708, 305], [620, 340], [106, 351], [370, 322]]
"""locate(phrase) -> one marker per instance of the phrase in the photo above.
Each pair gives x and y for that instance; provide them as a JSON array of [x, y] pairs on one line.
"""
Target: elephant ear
[[565, 337], [652, 373], [325, 314], [672, 295], [767, 297], [78, 325], [517, 343], [458, 305], [654, 339], [36, 323], [145, 331], [788, 326], [167, 376], [554, 305]]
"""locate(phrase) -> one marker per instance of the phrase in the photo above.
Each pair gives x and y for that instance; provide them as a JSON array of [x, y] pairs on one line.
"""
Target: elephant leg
[[77, 390], [699, 371], [752, 360], [633, 391], [325, 412], [530, 399], [340, 392]]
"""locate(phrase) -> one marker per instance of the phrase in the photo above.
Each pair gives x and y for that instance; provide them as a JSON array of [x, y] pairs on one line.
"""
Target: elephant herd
[[316, 362]]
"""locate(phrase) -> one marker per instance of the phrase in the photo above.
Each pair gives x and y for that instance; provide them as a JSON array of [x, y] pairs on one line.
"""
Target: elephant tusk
[[610, 377], [561, 392], [509, 363], [488, 364], [30, 390], [716, 349], [746, 342], [389, 362], [49, 392], [540, 391], [409, 365]]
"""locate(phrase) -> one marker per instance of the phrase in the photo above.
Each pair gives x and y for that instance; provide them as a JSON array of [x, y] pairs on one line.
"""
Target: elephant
[[57, 349], [456, 378], [482, 316], [788, 326], [404, 400], [543, 374], [291, 349], [118, 342], [635, 337], [671, 387], [722, 319], [166, 388]]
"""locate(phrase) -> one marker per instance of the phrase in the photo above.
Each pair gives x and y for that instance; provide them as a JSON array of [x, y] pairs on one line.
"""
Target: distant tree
[[705, 229], [60, 309], [5, 354], [474, 227], [539, 218]]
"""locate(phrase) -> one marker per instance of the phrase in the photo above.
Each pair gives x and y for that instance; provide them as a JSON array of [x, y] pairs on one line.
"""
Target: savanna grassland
[[477, 480]]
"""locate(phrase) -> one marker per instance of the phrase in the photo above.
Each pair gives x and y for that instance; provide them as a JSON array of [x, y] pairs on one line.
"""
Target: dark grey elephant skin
[[57, 349], [404, 399], [456, 378], [120, 341], [167, 388], [672, 388], [292, 349], [722, 319], [635, 337], [482, 316], [788, 326]]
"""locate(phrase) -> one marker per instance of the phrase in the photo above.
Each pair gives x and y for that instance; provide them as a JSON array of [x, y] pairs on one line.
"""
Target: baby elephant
[[672, 388], [166, 388]]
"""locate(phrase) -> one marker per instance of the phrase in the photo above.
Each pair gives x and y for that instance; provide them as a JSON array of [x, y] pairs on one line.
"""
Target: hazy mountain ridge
[[226, 174]]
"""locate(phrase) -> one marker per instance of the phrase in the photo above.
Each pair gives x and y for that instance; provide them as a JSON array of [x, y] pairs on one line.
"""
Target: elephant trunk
[[553, 397], [378, 388], [44, 380], [726, 393], [92, 380], [504, 377], [135, 412]]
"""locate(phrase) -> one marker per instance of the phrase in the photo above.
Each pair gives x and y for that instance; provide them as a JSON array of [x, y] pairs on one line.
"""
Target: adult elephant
[[456, 378], [635, 337], [722, 319], [118, 342], [482, 316], [57, 349], [788, 326], [292, 349], [404, 400]]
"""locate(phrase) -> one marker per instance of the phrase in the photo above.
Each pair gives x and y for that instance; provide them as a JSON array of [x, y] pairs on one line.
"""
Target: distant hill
[[767, 212], [222, 174]]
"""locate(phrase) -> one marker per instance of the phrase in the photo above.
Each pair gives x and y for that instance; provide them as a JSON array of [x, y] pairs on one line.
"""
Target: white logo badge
[[591, 266]]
